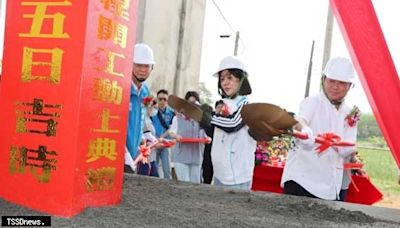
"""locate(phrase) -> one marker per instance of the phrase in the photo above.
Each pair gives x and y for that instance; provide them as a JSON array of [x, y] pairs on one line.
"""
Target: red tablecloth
[[268, 178]]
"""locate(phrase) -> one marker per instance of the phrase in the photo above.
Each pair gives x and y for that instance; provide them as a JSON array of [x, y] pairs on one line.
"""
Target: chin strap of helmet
[[138, 79], [237, 92], [335, 103]]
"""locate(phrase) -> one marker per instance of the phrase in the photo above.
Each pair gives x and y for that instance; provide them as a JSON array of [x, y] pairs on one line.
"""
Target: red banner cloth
[[268, 178], [366, 44], [368, 194]]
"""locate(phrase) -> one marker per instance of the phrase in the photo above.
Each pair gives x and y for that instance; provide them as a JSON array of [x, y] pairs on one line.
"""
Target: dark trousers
[[207, 166], [148, 169], [293, 188], [128, 169], [342, 195]]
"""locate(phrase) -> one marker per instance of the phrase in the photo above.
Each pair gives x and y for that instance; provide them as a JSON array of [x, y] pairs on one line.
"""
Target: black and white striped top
[[233, 122]]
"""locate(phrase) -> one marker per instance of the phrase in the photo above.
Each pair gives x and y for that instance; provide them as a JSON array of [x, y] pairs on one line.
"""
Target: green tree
[[205, 95], [368, 127]]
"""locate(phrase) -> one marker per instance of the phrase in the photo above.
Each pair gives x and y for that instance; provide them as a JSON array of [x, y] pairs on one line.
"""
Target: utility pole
[[328, 38], [237, 37], [179, 58], [236, 44], [309, 71]]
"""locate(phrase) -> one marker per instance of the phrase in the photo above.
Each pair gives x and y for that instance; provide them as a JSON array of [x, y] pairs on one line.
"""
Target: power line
[[223, 16], [229, 24]]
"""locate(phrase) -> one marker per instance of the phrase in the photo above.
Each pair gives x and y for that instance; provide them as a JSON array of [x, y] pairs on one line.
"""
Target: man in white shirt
[[308, 173]]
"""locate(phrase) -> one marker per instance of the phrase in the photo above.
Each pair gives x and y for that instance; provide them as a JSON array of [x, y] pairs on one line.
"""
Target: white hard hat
[[143, 54], [340, 69], [230, 62]]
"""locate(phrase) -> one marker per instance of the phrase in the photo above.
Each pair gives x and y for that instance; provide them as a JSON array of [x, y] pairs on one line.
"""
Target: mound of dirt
[[152, 202]]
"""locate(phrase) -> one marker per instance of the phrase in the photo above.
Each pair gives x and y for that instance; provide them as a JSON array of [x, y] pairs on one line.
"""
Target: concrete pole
[[308, 82], [141, 16], [2, 22], [178, 73], [328, 38], [236, 44]]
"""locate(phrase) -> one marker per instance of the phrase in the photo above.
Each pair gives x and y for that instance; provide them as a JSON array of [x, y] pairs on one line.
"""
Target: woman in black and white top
[[233, 148]]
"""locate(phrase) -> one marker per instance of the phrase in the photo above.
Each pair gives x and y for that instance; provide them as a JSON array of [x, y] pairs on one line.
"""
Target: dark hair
[[192, 94], [206, 108], [162, 91], [218, 103], [245, 88]]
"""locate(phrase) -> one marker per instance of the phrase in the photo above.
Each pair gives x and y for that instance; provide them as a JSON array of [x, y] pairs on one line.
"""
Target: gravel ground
[[177, 204]]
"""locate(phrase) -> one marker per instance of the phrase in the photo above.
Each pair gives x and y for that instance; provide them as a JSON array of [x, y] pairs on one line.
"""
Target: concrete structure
[[2, 21], [174, 29]]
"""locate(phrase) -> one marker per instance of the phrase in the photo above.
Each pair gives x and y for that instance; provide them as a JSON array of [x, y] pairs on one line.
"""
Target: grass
[[382, 169]]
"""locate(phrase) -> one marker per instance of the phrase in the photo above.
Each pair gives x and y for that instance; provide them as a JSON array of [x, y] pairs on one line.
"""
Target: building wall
[[174, 29], [2, 22]]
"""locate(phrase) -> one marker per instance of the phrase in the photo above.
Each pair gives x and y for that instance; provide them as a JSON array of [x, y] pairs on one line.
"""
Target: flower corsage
[[353, 117], [149, 101]]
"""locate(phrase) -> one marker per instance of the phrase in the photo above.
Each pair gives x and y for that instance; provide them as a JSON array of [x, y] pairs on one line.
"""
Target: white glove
[[307, 144], [148, 136], [129, 160]]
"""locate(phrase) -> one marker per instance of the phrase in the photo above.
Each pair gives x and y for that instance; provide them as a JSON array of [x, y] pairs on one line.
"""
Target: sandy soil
[[389, 201], [151, 202]]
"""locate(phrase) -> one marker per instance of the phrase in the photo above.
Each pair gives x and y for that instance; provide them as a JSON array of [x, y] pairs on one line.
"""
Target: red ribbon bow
[[144, 153], [330, 139], [326, 140], [148, 100], [225, 110]]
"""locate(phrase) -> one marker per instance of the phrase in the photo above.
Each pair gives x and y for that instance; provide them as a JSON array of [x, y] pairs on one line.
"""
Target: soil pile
[[152, 202]]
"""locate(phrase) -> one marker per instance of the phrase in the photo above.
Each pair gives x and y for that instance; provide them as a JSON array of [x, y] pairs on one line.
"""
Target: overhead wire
[[229, 24]]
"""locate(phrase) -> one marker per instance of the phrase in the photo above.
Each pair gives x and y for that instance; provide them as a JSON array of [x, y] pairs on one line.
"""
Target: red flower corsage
[[149, 100], [225, 110], [353, 117]]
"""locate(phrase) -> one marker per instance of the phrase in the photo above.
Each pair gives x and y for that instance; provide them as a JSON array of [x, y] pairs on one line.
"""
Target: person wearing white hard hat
[[320, 175], [143, 62], [232, 151]]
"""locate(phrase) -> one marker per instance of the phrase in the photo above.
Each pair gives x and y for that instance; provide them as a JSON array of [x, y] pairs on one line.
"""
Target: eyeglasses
[[162, 99]]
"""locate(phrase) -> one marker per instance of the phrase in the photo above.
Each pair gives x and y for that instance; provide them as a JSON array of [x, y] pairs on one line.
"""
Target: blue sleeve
[[136, 119]]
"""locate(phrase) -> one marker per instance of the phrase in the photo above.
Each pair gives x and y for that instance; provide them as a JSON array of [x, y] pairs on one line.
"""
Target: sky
[[276, 39]]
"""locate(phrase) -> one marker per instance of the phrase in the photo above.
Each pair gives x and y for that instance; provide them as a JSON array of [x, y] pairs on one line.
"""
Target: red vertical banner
[[373, 62], [64, 98]]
